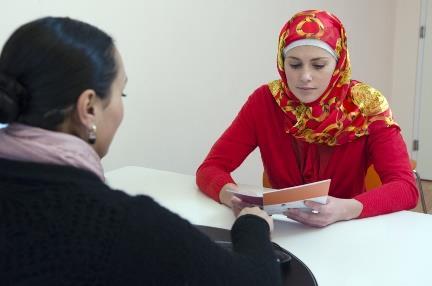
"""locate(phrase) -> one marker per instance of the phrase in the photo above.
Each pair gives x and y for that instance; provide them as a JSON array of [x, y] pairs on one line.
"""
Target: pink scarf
[[25, 143]]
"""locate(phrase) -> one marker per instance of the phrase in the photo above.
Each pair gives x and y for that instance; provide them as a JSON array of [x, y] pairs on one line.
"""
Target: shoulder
[[98, 195], [144, 211], [259, 101], [119, 199], [263, 92], [260, 97], [369, 100]]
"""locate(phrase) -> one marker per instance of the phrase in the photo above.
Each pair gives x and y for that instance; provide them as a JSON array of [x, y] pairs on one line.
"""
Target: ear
[[86, 107]]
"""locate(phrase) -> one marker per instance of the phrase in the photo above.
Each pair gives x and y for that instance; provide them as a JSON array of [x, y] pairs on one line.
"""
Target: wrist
[[354, 209], [224, 196]]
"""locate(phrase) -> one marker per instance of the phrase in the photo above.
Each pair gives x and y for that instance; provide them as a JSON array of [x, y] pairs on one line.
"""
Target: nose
[[306, 76]]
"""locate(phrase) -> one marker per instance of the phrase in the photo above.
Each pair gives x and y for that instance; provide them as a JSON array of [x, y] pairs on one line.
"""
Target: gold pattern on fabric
[[280, 56], [325, 96], [387, 119], [275, 87], [310, 19], [368, 99], [338, 47], [345, 77], [311, 13]]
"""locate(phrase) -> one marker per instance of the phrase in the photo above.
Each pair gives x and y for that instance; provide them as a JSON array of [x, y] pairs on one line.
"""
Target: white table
[[392, 249]]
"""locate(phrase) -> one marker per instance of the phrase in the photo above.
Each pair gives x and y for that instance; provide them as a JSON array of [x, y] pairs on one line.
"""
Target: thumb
[[313, 205], [232, 187], [235, 200]]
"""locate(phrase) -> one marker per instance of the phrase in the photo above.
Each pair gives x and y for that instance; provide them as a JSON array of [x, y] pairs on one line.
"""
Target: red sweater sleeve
[[229, 151], [388, 153]]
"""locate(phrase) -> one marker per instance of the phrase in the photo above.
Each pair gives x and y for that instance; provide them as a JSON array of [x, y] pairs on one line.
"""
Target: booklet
[[276, 201]]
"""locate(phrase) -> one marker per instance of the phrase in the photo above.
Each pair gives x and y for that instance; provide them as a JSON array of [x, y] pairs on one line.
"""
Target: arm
[[388, 153], [160, 248], [229, 151]]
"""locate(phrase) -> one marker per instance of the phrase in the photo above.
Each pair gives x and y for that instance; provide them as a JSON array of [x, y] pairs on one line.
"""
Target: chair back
[[372, 179]]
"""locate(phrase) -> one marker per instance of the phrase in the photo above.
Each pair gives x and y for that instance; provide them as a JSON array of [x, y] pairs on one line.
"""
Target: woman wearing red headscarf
[[316, 123]]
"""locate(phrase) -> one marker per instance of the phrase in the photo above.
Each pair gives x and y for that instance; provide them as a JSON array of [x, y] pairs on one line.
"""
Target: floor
[[427, 189]]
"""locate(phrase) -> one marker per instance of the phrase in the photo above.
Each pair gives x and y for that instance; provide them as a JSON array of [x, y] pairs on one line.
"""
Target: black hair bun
[[13, 98]]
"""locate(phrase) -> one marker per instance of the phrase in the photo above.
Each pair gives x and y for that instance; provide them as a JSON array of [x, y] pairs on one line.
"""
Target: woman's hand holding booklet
[[277, 201]]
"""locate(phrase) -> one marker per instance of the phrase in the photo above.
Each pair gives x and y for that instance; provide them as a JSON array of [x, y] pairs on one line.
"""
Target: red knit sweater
[[289, 162]]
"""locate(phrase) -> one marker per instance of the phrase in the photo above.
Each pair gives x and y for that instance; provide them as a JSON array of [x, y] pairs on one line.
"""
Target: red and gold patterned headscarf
[[347, 107]]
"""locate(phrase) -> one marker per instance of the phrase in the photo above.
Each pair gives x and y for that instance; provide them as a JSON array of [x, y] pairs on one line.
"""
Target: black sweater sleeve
[[157, 247]]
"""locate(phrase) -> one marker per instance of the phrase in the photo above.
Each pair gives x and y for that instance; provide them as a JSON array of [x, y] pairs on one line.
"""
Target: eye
[[318, 67], [295, 66], [124, 95]]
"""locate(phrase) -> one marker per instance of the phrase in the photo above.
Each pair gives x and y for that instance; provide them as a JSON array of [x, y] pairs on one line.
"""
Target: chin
[[306, 98], [101, 151], [102, 154]]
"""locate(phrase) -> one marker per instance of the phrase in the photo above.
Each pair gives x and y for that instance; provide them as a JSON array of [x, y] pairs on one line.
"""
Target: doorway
[[423, 108]]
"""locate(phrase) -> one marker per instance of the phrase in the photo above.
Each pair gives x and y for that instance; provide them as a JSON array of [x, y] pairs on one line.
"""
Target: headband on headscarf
[[347, 107], [310, 42]]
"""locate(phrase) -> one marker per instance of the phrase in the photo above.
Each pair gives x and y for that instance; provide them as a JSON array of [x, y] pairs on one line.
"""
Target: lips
[[306, 88]]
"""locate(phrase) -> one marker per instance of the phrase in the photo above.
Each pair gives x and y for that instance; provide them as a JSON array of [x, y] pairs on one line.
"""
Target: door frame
[[419, 77]]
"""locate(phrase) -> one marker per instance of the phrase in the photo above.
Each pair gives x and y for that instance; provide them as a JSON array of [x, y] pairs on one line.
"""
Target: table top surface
[[391, 249]]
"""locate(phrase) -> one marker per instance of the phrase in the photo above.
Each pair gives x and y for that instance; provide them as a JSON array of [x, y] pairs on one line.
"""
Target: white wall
[[405, 64], [192, 64]]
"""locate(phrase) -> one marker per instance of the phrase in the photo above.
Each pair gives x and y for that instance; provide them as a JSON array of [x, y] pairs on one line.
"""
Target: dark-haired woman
[[61, 88]]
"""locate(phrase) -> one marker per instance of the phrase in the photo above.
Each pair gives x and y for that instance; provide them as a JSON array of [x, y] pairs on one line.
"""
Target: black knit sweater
[[62, 226]]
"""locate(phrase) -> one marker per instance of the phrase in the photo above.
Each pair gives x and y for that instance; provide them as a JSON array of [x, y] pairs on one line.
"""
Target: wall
[[405, 48], [192, 64]]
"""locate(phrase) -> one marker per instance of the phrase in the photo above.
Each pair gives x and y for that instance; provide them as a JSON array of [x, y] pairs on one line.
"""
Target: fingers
[[236, 210], [238, 205], [308, 217], [225, 196], [235, 200], [253, 210], [316, 207], [320, 215]]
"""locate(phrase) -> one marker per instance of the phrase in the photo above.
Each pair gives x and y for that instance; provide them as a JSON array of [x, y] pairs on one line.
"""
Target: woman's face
[[308, 70], [110, 112]]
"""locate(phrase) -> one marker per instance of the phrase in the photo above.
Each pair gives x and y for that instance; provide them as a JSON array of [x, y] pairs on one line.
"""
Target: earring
[[92, 134]]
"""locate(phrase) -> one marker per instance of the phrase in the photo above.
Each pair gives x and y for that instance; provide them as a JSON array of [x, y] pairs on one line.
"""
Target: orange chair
[[265, 180]]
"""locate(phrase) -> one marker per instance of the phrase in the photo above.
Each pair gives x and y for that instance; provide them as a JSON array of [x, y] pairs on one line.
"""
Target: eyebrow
[[313, 59]]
